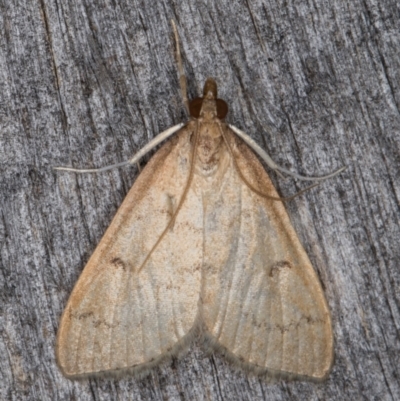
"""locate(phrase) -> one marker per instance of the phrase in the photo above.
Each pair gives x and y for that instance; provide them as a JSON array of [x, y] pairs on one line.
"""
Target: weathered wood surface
[[87, 83]]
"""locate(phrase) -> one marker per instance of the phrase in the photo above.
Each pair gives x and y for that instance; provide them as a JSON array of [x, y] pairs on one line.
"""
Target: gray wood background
[[87, 83]]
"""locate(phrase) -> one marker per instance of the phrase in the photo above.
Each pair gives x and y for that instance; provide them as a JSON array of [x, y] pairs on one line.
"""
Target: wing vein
[[233, 270], [77, 349], [77, 367], [282, 328], [156, 302], [260, 282], [268, 331], [139, 298], [128, 318], [177, 329], [111, 331], [254, 334], [114, 312]]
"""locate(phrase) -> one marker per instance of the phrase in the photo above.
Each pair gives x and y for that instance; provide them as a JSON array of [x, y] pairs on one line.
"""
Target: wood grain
[[87, 84]]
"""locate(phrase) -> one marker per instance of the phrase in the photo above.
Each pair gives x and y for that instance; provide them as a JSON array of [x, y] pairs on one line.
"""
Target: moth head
[[208, 106]]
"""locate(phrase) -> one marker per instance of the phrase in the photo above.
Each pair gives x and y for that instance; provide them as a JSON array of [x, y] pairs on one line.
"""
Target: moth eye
[[195, 107], [222, 109]]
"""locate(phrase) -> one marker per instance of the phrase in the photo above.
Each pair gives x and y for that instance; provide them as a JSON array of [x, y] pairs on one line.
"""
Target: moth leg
[[182, 76], [267, 159], [135, 159]]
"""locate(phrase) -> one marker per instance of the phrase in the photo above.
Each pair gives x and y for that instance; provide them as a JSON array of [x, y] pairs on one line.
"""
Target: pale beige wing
[[262, 300], [117, 318]]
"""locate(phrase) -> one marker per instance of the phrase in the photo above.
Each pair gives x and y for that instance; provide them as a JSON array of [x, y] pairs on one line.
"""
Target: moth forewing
[[117, 319], [262, 299]]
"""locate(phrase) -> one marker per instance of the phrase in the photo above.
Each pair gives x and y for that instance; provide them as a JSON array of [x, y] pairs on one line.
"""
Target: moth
[[203, 244]]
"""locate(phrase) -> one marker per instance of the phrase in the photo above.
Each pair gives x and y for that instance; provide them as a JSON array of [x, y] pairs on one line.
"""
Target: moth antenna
[[91, 170], [135, 159], [182, 76], [267, 159], [183, 197], [251, 187]]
